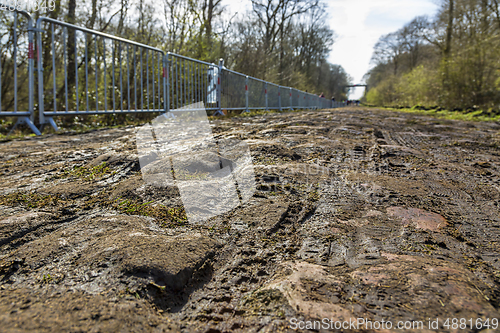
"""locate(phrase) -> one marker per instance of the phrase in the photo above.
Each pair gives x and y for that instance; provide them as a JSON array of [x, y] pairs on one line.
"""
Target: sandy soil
[[359, 213]]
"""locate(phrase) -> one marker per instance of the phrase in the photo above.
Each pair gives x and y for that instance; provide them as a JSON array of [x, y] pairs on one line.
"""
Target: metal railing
[[190, 81], [16, 67], [100, 73], [86, 72]]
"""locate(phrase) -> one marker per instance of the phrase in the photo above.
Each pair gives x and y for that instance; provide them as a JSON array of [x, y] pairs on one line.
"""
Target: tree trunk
[[449, 31], [93, 17], [447, 49], [210, 16]]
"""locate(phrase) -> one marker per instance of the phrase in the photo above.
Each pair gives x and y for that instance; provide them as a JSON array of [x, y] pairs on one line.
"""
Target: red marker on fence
[[31, 51]]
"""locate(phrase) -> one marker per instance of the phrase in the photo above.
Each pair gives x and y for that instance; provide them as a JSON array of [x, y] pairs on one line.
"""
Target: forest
[[450, 61], [286, 42]]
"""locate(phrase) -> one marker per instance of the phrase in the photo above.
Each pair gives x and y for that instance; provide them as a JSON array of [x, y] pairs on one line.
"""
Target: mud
[[358, 213]]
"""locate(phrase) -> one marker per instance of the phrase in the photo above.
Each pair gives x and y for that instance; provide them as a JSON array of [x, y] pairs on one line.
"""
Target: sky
[[358, 25]]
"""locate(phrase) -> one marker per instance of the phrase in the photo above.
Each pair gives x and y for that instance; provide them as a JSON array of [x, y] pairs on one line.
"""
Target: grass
[[134, 208], [169, 217], [47, 278], [479, 115], [92, 173], [29, 199], [314, 196], [16, 135], [86, 173]]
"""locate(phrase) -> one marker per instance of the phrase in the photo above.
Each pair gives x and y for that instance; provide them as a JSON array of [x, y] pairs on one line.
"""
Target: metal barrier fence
[[190, 81], [16, 66], [98, 73], [86, 72], [234, 91]]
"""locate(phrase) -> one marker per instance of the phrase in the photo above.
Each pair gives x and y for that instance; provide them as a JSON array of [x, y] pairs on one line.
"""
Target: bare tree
[[495, 8], [313, 41], [274, 16], [178, 17], [389, 49]]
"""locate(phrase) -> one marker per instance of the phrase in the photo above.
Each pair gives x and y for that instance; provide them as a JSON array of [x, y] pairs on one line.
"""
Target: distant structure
[[355, 102], [357, 85]]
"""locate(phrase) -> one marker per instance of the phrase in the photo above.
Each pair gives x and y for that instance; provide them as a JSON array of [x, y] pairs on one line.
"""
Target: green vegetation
[[91, 173], [134, 208], [169, 217], [314, 196], [47, 278], [16, 135], [29, 199], [449, 62], [87, 173], [479, 115]]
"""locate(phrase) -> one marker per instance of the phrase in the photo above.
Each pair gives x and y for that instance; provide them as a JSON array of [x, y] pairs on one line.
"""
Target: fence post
[[31, 77], [279, 98], [31, 65], [41, 109], [40, 78], [27, 119], [246, 94], [291, 100], [166, 84], [265, 91], [219, 89]]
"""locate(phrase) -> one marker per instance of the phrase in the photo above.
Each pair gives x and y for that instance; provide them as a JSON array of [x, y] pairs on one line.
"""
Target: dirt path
[[359, 213]]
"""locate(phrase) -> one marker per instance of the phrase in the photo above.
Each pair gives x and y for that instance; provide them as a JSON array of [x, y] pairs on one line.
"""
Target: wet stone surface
[[358, 213]]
